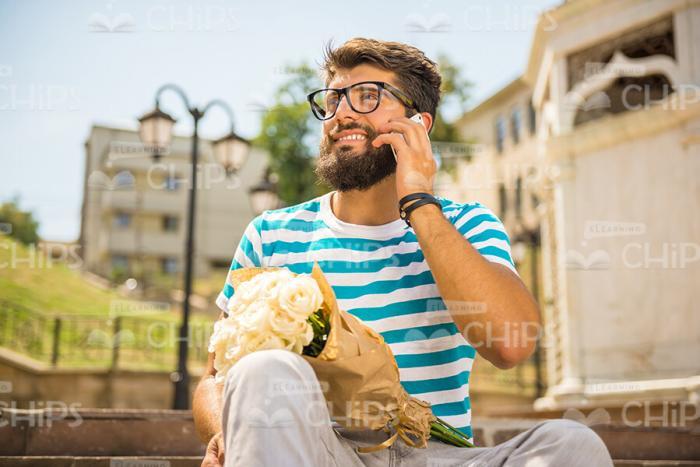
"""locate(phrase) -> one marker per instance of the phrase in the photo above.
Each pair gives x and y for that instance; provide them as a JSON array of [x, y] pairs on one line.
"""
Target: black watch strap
[[413, 196], [406, 212]]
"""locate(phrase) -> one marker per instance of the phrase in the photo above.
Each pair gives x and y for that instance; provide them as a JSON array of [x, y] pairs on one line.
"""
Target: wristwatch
[[421, 199]]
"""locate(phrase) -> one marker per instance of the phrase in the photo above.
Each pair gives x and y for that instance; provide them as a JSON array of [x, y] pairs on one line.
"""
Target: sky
[[66, 65]]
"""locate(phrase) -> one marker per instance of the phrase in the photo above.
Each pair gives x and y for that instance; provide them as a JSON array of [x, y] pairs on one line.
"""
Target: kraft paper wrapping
[[360, 371]]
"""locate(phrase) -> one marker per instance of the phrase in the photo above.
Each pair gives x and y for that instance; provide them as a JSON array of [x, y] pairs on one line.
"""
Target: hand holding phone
[[416, 118]]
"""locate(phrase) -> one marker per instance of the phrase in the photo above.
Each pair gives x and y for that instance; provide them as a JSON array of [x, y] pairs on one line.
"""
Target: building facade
[[134, 212], [592, 160]]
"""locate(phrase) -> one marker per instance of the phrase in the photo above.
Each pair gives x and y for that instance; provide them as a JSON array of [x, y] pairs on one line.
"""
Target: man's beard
[[346, 167]]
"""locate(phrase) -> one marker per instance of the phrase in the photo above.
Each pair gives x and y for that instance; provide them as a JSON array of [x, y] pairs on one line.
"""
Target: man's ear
[[427, 121]]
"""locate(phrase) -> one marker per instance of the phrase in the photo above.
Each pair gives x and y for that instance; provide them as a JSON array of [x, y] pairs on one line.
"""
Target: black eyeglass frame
[[319, 112]]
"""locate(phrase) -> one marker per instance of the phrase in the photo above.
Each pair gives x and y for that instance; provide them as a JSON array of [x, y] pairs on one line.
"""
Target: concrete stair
[[67, 461], [166, 438]]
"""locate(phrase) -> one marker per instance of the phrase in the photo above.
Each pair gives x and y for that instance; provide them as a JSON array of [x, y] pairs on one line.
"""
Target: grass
[[35, 291], [28, 279]]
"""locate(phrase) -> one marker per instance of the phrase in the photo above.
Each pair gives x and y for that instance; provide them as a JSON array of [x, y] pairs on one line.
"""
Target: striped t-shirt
[[379, 275]]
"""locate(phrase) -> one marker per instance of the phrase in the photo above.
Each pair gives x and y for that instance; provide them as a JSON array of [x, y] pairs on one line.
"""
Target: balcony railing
[[152, 200]]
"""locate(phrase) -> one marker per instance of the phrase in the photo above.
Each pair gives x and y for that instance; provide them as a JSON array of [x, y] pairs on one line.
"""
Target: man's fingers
[[210, 460], [220, 445], [215, 452], [408, 130], [394, 139]]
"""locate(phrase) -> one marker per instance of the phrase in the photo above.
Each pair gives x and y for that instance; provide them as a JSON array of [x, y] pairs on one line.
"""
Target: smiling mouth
[[351, 138]]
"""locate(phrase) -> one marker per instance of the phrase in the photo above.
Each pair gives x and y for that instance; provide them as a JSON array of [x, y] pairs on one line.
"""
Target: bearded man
[[434, 277]]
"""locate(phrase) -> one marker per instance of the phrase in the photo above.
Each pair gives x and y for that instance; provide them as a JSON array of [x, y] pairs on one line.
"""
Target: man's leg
[[549, 443], [275, 414], [559, 442]]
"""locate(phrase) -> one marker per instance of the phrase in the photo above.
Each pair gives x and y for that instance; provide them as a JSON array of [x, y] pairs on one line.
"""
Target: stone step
[[108, 433], [68, 461], [656, 463], [98, 432], [195, 461], [623, 441]]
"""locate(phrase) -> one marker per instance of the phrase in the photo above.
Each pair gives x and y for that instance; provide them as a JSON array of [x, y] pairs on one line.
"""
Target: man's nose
[[344, 111]]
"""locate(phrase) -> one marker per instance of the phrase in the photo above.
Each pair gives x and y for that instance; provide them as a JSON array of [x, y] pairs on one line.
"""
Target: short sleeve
[[485, 231], [248, 255]]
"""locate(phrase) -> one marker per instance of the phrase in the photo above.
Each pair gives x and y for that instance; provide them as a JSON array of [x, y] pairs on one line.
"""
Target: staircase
[[98, 437], [167, 438]]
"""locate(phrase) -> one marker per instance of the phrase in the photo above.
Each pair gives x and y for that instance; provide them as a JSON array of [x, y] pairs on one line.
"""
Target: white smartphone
[[416, 118]]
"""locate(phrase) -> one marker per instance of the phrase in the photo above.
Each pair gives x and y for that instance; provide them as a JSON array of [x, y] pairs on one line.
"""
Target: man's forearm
[[206, 408], [489, 304]]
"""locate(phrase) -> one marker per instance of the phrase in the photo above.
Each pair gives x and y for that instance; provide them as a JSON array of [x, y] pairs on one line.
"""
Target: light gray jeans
[[275, 415]]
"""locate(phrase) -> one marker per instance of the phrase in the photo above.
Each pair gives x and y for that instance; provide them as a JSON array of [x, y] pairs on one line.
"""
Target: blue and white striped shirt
[[379, 275]]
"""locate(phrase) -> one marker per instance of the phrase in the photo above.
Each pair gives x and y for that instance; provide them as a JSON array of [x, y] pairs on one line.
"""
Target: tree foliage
[[455, 91], [17, 223], [288, 133]]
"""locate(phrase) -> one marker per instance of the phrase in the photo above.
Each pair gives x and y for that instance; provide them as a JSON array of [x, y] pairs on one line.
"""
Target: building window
[[120, 262], [532, 117], [623, 95], [124, 180], [170, 223], [500, 133], [502, 201], [171, 183], [122, 220], [220, 263], [519, 197], [168, 265], [515, 124]]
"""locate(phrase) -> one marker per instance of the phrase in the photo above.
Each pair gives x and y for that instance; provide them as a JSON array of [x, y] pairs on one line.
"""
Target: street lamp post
[[232, 152], [263, 195]]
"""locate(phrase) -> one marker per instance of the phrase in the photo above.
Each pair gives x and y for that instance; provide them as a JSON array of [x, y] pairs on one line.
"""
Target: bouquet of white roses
[[273, 308]]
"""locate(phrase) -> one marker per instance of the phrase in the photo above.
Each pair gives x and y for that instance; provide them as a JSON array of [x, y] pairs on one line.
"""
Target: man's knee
[[265, 369], [266, 361], [274, 388], [575, 435]]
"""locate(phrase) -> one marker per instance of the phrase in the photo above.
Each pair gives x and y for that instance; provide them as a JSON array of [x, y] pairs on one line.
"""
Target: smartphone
[[416, 118]]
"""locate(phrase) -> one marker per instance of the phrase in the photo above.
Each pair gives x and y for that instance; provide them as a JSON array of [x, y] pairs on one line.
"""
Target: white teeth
[[352, 137]]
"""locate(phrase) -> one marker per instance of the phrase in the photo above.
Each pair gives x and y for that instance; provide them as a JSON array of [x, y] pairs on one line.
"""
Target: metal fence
[[146, 343], [124, 342]]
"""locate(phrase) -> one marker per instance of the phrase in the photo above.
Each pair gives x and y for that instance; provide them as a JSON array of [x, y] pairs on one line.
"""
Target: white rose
[[224, 330], [286, 324], [236, 305], [263, 341], [302, 340], [224, 344], [256, 318], [250, 290], [300, 297], [272, 281]]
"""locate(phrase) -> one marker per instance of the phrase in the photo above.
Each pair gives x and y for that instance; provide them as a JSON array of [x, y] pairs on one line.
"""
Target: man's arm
[[500, 311], [207, 403]]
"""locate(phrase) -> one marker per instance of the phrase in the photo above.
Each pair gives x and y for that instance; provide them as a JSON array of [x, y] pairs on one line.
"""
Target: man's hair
[[417, 75]]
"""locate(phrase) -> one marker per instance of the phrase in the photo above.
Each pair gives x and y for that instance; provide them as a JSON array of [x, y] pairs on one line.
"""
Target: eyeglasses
[[362, 97]]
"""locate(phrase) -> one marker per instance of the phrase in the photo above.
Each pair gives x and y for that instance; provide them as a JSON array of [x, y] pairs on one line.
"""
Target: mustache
[[371, 133]]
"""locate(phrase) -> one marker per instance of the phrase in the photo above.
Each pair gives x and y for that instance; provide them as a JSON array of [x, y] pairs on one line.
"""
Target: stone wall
[[24, 383]]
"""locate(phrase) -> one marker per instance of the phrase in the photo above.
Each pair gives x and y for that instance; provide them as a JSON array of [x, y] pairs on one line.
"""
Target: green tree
[[455, 91], [288, 133], [18, 224]]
